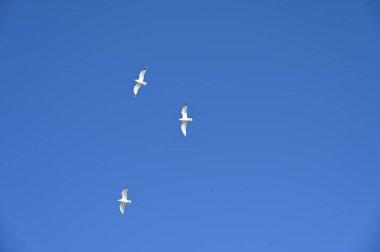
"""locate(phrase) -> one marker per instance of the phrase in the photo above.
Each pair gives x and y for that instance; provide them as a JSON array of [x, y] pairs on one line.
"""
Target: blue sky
[[283, 153]]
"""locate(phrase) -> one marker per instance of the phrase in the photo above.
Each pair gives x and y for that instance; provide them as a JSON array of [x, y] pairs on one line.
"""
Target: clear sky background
[[283, 153]]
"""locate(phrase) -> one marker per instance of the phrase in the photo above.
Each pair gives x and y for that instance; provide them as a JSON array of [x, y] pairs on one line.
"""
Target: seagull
[[184, 119], [140, 81], [124, 200]]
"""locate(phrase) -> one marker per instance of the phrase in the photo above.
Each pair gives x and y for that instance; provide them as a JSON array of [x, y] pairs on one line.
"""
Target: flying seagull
[[140, 81], [124, 200], [184, 119]]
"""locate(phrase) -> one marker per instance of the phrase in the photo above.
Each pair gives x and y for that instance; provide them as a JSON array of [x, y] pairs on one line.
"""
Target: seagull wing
[[122, 206], [184, 111], [124, 193], [142, 74], [136, 88], [183, 128]]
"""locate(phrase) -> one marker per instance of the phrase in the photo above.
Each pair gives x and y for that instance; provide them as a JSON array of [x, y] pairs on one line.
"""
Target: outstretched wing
[[122, 206], [184, 111], [142, 74], [136, 88], [124, 193], [183, 128]]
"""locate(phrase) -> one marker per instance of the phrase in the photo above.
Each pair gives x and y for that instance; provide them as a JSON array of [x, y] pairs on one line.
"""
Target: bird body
[[186, 119], [141, 82], [125, 201]]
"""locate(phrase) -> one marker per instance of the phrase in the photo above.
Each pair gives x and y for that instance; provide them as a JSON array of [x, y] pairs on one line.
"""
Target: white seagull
[[184, 119], [140, 81], [124, 200]]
